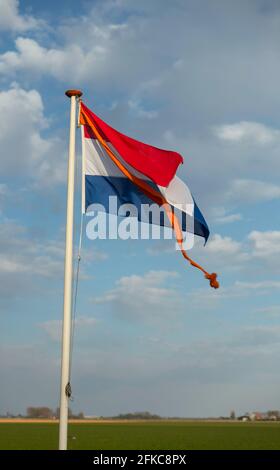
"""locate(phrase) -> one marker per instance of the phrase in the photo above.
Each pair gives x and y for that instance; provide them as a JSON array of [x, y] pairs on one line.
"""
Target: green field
[[147, 435]]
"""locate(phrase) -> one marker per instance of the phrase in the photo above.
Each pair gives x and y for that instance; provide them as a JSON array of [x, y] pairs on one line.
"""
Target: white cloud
[[224, 253], [210, 299], [248, 190], [3, 189], [223, 245], [265, 244], [270, 310], [159, 247], [260, 335], [261, 286], [220, 254], [25, 151], [92, 254], [138, 109], [32, 57], [228, 219], [226, 175], [72, 60], [21, 255], [26, 259], [252, 132], [10, 18], [53, 328], [144, 296]]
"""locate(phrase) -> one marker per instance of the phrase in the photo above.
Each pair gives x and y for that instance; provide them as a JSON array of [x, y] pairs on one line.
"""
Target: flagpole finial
[[70, 93]]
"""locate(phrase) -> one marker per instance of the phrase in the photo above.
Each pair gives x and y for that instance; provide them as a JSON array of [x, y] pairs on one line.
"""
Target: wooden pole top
[[70, 93]]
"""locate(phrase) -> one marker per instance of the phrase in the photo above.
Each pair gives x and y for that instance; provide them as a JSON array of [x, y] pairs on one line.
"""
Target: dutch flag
[[139, 174]]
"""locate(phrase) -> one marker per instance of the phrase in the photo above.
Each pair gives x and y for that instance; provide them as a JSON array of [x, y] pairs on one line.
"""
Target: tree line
[[43, 412]]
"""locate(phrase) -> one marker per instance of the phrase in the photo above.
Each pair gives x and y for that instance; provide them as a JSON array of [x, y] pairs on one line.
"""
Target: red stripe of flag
[[157, 164]]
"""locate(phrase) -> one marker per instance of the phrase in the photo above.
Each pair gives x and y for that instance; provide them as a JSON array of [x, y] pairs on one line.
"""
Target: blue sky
[[198, 77]]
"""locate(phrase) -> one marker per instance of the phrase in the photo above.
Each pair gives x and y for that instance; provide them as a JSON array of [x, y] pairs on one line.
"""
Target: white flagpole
[[68, 268]]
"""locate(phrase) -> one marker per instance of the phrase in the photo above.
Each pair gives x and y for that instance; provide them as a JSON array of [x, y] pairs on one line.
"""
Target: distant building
[[244, 418], [258, 416]]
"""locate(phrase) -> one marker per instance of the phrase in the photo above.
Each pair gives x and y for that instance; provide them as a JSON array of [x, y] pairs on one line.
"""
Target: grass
[[184, 435]]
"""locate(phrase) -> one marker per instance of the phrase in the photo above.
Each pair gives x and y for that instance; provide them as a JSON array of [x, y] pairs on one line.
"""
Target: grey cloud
[[215, 70], [108, 381], [26, 259]]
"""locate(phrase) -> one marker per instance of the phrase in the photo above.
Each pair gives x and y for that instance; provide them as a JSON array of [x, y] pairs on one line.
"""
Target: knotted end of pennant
[[213, 280]]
